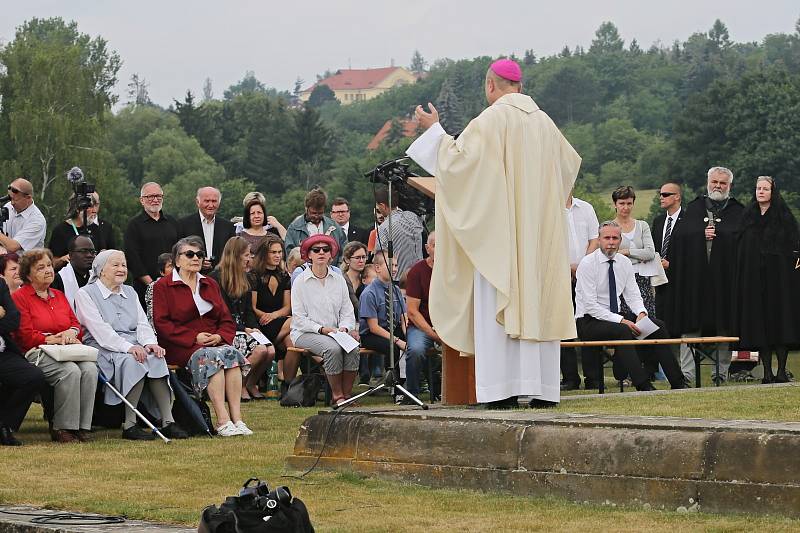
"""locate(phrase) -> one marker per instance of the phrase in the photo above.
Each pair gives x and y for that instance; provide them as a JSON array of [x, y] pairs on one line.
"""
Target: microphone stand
[[389, 379]]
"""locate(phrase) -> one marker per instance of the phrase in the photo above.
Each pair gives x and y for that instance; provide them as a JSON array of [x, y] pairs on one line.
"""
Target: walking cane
[[129, 404]]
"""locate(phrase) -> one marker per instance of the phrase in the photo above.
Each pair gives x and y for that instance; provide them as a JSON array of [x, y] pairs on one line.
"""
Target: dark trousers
[[569, 357], [381, 346], [20, 381], [629, 357]]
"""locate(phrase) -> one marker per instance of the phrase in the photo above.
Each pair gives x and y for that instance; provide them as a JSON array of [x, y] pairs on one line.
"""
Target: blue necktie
[[613, 306]]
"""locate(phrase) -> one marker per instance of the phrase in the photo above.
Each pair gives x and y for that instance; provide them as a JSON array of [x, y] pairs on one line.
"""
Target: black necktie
[[613, 306], [667, 235]]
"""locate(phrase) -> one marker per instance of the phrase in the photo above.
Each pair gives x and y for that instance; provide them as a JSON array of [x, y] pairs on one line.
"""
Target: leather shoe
[[508, 403], [570, 385], [174, 431], [590, 385], [644, 387], [536, 403], [63, 436], [84, 435], [7, 437], [137, 433]]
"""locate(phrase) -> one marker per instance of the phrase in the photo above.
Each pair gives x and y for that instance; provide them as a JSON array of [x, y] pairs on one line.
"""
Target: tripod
[[389, 380]]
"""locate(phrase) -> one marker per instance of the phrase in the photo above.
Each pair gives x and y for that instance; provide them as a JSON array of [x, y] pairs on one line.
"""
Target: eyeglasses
[[151, 197], [359, 258], [667, 194], [90, 251], [191, 254], [321, 249], [340, 212], [16, 191]]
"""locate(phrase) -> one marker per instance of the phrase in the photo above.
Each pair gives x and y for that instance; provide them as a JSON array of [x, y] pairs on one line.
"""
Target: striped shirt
[[407, 238]]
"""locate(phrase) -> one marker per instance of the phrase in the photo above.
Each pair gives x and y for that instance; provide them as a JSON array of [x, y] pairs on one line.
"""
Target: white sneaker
[[228, 429], [242, 427]]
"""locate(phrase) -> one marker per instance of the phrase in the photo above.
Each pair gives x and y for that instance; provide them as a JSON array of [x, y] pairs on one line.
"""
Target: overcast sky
[[176, 44]]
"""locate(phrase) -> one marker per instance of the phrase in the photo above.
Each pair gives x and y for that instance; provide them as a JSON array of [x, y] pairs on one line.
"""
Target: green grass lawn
[[172, 483]]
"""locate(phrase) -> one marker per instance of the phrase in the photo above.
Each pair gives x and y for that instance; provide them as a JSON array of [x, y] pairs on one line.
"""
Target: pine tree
[[529, 58], [450, 109], [418, 63], [208, 92]]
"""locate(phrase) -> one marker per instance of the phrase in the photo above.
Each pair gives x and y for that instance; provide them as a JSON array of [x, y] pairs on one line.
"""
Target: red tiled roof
[[356, 78], [409, 130]]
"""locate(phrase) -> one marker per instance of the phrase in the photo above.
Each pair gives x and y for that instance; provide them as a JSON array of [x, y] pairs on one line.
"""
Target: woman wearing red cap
[[321, 305]]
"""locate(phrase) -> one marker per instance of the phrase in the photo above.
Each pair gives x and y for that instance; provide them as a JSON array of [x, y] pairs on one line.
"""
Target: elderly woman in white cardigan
[[129, 355]]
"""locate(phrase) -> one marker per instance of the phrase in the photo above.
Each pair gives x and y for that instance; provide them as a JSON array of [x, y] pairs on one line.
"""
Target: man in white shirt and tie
[[602, 277]]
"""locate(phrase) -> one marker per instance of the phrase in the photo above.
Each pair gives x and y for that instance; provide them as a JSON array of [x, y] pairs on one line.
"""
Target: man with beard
[[701, 294], [602, 277], [75, 274]]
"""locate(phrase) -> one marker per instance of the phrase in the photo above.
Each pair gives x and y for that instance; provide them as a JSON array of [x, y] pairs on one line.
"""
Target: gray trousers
[[334, 358], [74, 384], [687, 359]]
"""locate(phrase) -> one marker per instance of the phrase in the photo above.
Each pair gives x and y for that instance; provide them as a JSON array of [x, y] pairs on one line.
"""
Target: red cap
[[318, 239]]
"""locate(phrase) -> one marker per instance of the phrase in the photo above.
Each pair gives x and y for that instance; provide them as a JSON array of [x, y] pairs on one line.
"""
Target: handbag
[[302, 391], [70, 352]]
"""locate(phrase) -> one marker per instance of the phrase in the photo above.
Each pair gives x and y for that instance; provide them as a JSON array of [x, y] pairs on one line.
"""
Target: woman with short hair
[[9, 270], [197, 330], [46, 317]]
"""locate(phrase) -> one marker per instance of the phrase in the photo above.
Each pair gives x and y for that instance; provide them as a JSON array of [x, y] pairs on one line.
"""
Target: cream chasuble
[[500, 287]]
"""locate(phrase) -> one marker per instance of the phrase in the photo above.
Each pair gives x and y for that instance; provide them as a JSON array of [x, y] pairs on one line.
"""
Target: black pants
[[592, 329], [379, 344], [569, 357], [20, 381]]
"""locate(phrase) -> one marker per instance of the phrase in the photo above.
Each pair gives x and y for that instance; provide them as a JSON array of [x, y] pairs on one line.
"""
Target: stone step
[[18, 519]]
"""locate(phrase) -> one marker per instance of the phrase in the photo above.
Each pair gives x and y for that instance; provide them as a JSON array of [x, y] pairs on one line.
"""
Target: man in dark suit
[[215, 231], [340, 213]]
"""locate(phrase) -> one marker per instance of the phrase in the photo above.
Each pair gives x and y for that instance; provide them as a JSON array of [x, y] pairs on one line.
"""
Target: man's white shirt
[[28, 228], [583, 224], [591, 290]]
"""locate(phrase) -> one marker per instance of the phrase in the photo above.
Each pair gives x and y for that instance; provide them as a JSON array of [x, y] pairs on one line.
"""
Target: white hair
[[148, 184], [209, 187], [720, 170]]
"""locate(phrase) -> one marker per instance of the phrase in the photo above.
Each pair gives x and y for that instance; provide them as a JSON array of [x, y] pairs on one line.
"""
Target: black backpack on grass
[[257, 510]]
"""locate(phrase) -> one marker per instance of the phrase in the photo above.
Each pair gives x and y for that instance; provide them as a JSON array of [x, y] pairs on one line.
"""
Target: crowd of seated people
[[266, 289]]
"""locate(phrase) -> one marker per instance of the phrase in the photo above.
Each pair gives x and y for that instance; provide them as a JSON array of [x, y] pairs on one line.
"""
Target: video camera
[[396, 172], [82, 189]]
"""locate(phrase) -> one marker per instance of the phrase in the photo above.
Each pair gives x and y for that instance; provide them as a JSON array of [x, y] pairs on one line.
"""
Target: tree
[[321, 94], [718, 34], [248, 84], [606, 40], [449, 106], [137, 91], [396, 131], [56, 95], [298, 86], [418, 63], [529, 58], [208, 91]]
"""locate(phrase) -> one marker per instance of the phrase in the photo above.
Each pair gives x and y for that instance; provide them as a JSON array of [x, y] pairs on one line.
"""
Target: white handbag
[[70, 352]]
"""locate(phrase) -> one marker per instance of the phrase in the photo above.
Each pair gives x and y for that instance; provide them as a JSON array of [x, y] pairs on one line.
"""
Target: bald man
[[215, 231], [26, 226], [501, 289]]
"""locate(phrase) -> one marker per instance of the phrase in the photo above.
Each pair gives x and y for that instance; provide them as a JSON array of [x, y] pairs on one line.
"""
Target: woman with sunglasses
[[196, 329], [321, 305]]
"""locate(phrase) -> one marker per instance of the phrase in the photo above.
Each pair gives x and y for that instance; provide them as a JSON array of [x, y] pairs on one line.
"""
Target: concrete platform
[[17, 519], [658, 462]]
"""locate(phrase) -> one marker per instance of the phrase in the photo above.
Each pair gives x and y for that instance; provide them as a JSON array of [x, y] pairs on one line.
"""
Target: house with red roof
[[357, 85], [410, 129]]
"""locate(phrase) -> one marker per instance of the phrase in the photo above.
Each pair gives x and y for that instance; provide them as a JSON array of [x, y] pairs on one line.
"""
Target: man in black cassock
[[701, 275]]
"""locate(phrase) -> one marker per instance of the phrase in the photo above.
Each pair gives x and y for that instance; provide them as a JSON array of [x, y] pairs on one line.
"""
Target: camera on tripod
[[395, 172], [83, 190]]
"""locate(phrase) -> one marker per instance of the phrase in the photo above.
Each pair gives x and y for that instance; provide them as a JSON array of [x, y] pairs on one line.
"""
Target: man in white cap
[[501, 291]]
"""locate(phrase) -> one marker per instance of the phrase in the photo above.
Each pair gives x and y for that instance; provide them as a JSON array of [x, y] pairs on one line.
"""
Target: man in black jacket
[[340, 213], [215, 231]]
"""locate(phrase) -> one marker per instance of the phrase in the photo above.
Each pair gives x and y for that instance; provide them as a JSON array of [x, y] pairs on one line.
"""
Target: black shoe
[[570, 385], [174, 431], [536, 403], [7, 437], [137, 433], [508, 403], [590, 385], [645, 387]]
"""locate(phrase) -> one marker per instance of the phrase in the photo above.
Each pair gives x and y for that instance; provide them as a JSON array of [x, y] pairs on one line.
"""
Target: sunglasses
[[667, 194], [16, 191], [321, 249], [191, 254]]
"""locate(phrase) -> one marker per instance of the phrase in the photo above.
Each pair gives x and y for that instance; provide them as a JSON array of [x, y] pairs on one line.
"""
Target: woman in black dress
[[767, 280]]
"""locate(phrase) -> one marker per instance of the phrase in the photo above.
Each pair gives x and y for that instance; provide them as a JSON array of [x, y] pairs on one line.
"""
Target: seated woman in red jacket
[[196, 329], [46, 317]]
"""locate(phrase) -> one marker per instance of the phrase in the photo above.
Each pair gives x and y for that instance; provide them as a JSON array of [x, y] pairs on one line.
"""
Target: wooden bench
[[695, 344]]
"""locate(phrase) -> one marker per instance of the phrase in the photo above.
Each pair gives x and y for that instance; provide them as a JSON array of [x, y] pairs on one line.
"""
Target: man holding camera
[[26, 226]]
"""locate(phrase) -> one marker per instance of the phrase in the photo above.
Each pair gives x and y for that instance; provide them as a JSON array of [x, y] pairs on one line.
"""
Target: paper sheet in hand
[[347, 342], [260, 337], [425, 150], [647, 327]]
